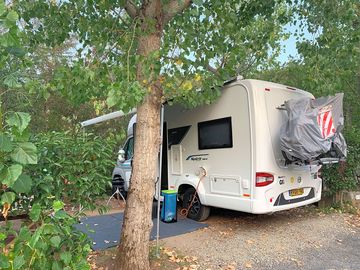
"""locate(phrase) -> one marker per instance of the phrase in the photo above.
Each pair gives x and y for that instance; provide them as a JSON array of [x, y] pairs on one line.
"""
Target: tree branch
[[212, 69], [222, 65], [173, 8], [131, 9]]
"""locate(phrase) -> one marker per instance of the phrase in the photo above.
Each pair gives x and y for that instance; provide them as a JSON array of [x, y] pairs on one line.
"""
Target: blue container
[[168, 209]]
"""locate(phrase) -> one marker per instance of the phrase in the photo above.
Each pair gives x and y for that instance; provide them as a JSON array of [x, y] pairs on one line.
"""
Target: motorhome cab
[[230, 151]]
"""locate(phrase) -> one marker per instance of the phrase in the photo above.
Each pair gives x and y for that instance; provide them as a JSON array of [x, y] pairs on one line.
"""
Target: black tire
[[198, 211]]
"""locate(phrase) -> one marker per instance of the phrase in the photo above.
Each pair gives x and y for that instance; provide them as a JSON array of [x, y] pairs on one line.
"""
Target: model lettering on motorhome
[[197, 157]]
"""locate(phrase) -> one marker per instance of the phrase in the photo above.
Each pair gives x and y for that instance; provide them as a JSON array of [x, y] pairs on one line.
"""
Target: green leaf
[[198, 2], [19, 52], [2, 8], [66, 257], [19, 120], [35, 212], [8, 197], [57, 266], [24, 234], [25, 153], [12, 81], [58, 205], [22, 184], [12, 16], [4, 261], [5, 143], [61, 214], [82, 265], [19, 261], [111, 99], [55, 241], [44, 187], [35, 238], [50, 229], [9, 175]]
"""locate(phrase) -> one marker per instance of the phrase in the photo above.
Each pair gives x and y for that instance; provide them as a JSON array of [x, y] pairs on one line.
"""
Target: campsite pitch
[[303, 238]]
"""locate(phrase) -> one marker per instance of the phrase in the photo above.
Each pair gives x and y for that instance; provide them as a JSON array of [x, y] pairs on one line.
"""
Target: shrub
[[344, 176], [54, 243], [73, 166]]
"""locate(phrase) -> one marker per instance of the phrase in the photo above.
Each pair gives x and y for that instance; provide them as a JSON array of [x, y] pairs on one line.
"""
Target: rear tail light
[[263, 179]]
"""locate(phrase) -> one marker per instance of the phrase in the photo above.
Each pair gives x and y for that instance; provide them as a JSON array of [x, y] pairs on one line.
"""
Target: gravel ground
[[300, 238]]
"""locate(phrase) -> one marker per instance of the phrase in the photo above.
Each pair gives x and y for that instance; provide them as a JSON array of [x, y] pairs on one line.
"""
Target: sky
[[289, 46]]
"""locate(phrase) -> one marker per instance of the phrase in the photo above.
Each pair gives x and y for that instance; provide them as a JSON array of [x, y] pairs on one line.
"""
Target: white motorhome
[[230, 152]]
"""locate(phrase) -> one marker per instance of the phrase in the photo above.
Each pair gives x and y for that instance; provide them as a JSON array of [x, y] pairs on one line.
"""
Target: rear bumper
[[281, 203]]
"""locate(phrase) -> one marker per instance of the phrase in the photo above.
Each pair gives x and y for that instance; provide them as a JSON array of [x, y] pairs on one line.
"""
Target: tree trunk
[[133, 251]]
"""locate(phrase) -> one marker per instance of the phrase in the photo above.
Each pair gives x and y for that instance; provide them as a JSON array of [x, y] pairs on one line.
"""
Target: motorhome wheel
[[198, 211]]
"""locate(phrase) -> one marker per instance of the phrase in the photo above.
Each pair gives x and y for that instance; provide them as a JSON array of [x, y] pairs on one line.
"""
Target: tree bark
[[133, 251]]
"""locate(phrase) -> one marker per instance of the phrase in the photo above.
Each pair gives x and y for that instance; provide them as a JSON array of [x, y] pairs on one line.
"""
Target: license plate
[[296, 192]]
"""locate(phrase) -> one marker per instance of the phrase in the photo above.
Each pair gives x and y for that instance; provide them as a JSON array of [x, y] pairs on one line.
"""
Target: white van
[[230, 150]]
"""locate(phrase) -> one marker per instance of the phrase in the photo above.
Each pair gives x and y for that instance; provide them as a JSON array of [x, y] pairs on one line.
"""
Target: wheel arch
[[183, 187]]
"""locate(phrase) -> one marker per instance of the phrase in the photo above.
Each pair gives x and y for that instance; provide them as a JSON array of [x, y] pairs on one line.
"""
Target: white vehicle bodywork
[[251, 109]]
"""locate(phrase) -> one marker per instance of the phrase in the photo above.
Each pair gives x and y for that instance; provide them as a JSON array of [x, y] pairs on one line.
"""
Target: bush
[[344, 176], [50, 241], [74, 167], [54, 243]]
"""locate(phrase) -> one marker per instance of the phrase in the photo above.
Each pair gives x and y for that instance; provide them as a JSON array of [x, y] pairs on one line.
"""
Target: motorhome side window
[[215, 134], [129, 148], [176, 135]]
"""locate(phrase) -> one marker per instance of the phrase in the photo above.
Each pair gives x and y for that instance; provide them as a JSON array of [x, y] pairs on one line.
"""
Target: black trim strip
[[282, 201]]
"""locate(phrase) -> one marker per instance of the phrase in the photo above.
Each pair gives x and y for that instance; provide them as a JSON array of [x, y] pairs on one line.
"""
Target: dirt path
[[296, 239]]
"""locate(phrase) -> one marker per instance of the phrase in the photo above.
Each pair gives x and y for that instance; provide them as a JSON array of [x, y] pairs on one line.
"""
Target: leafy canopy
[[201, 47]]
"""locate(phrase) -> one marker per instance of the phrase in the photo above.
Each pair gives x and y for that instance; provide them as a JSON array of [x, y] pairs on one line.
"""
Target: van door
[[127, 164]]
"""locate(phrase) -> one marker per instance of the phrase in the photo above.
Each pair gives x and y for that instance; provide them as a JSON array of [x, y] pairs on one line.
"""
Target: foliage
[[11, 53], [207, 44], [73, 166], [16, 152], [15, 149], [51, 241], [53, 244], [345, 176]]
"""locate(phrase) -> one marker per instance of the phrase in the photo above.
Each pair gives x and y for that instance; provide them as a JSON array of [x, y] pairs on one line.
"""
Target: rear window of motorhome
[[215, 134], [176, 135]]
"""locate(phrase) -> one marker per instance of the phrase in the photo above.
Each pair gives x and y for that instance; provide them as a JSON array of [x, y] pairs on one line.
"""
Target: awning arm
[[106, 117]]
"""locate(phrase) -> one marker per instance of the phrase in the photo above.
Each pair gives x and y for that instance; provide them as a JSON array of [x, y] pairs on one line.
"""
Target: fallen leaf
[[248, 265], [298, 262], [5, 210]]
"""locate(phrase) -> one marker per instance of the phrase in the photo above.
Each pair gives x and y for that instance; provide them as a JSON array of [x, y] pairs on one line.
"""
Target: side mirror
[[121, 156]]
